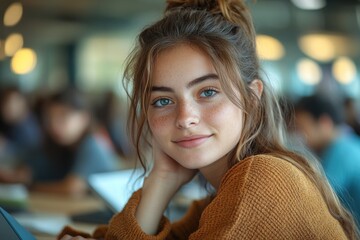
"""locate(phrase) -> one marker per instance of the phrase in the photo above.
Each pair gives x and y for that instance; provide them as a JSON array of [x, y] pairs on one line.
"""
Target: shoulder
[[265, 194], [94, 143], [94, 149], [90, 141], [346, 147], [263, 168], [268, 179], [346, 142]]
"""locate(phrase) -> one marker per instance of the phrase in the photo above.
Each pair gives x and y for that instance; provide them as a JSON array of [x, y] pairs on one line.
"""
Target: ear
[[257, 86]]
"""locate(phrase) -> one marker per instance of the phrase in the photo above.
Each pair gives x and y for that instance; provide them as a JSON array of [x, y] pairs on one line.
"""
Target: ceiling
[[61, 22]]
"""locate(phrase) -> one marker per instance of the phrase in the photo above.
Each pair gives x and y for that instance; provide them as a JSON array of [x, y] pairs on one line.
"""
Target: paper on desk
[[13, 195], [43, 223]]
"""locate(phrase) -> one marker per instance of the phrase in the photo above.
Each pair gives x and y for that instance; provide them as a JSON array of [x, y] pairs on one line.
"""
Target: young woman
[[199, 101]]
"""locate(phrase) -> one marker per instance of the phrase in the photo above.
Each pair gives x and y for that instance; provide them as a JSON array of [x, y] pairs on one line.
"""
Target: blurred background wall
[[306, 46]]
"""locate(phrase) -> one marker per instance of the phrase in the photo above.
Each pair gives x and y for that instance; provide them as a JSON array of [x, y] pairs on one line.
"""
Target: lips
[[192, 141]]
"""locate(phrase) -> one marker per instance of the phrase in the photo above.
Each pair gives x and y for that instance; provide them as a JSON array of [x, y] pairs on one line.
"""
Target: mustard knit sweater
[[261, 197]]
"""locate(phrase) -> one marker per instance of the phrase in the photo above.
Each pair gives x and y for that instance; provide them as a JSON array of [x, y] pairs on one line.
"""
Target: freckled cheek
[[221, 114], [159, 124]]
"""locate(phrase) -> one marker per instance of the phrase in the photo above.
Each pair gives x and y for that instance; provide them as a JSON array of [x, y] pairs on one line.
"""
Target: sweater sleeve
[[124, 225], [190, 222]]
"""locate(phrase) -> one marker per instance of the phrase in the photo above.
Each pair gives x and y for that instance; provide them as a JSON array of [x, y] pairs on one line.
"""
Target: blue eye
[[208, 93], [162, 102]]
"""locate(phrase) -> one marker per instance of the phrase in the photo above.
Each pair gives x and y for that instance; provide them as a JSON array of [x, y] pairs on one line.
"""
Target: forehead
[[183, 62]]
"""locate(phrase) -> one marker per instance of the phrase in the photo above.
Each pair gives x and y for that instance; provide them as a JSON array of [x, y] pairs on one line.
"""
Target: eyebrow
[[210, 76]]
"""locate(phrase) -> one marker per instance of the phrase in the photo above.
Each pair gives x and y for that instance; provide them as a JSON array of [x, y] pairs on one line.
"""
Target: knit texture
[[261, 197]]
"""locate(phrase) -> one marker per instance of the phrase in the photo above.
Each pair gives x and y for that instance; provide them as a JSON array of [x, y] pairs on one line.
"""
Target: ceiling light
[[24, 61], [269, 48], [309, 72], [324, 47], [344, 70], [13, 14], [309, 4], [13, 43]]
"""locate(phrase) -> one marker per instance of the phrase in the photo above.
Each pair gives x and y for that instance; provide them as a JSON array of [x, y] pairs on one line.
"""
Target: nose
[[187, 116]]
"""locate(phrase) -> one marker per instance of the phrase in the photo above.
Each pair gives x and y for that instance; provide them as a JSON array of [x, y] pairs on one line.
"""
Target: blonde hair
[[224, 30]]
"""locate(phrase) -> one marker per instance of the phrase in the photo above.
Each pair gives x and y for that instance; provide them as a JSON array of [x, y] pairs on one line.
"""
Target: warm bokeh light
[[269, 48], [13, 43], [309, 71], [13, 14], [344, 70], [24, 61], [324, 47], [309, 4]]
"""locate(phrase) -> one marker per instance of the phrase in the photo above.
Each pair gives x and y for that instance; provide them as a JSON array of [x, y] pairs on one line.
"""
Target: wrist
[[164, 181], [156, 194]]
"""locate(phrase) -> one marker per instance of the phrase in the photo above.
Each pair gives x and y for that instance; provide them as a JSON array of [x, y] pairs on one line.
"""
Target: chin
[[195, 163]]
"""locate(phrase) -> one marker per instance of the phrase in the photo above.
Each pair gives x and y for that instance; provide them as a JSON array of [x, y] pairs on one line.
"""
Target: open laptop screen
[[115, 188]]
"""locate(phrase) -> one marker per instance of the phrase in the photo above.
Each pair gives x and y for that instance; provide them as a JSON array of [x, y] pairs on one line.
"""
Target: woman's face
[[190, 117], [65, 125], [14, 108]]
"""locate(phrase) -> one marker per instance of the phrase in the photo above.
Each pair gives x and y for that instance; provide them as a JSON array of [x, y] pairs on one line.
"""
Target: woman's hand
[[164, 180], [168, 169]]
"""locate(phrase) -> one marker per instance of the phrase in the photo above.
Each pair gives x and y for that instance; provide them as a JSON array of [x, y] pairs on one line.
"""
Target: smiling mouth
[[192, 141]]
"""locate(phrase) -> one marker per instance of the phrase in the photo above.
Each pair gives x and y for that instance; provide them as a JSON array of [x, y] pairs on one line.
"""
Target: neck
[[333, 135], [328, 139], [215, 172]]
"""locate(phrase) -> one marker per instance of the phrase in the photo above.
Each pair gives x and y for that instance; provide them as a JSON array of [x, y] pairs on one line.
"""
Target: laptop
[[114, 189], [11, 229]]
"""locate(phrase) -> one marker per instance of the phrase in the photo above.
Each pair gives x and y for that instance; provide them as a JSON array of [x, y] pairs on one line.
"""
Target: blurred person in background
[[112, 114], [72, 149], [321, 125], [17, 121], [20, 134], [352, 115]]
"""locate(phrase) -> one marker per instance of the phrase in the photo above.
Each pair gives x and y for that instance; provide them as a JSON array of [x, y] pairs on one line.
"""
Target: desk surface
[[40, 203]]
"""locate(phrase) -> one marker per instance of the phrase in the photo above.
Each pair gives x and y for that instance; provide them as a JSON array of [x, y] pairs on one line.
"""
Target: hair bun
[[234, 11]]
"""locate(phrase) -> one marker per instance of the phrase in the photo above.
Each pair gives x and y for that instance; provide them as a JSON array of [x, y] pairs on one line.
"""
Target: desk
[[40, 203]]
